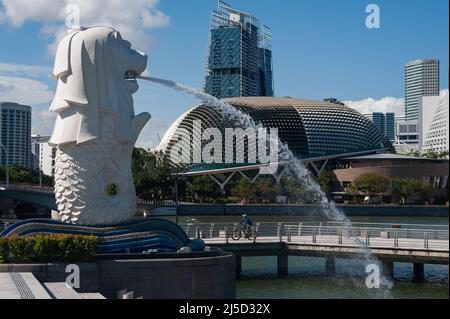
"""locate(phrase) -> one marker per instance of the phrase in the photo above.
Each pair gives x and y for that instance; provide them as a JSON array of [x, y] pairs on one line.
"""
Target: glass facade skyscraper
[[239, 59], [385, 122], [421, 79], [15, 134]]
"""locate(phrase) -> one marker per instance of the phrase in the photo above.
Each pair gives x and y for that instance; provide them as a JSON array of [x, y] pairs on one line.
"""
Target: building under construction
[[239, 59]]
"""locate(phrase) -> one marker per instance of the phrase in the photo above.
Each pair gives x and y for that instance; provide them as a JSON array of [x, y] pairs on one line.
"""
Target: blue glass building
[[239, 60], [385, 124]]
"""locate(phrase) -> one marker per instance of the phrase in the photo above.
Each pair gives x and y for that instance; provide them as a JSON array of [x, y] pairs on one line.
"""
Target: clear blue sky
[[321, 48]]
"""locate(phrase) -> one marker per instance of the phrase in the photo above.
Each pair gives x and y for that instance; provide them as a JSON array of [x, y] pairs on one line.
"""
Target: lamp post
[[7, 163], [39, 168]]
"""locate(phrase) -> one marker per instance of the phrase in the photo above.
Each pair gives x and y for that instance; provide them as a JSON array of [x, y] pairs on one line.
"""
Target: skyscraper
[[239, 59], [43, 155], [385, 123], [15, 134], [437, 136], [421, 79]]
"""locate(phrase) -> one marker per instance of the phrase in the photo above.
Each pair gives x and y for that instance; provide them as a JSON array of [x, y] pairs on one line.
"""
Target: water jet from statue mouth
[[131, 75], [158, 80]]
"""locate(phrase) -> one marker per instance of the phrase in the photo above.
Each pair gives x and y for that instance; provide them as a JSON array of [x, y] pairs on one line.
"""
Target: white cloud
[[42, 121], [24, 70], [149, 136], [370, 105], [24, 91], [131, 18]]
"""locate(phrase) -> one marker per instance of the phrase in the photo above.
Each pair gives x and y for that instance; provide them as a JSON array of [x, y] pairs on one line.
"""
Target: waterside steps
[[26, 286]]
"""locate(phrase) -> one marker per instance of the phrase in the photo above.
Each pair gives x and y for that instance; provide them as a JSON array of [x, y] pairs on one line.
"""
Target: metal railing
[[412, 236], [156, 203], [27, 187], [401, 236], [50, 190], [5, 223]]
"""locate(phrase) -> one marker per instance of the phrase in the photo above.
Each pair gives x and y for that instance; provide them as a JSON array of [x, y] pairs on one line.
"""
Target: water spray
[[301, 173]]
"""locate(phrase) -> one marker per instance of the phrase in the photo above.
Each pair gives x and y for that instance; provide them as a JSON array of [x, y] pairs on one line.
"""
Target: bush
[[47, 248]]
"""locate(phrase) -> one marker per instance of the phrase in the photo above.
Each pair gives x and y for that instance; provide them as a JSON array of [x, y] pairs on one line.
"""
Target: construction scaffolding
[[255, 55]]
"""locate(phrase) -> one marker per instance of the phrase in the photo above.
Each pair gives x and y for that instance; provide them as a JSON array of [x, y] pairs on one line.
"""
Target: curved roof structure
[[437, 138], [311, 129]]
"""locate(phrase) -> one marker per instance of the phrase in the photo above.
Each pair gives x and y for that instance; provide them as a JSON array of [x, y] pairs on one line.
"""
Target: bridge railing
[[421, 237], [332, 233], [27, 187], [156, 203], [5, 223]]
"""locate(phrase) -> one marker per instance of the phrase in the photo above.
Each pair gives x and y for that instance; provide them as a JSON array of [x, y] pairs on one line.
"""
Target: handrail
[[322, 234], [435, 237], [29, 187], [49, 190]]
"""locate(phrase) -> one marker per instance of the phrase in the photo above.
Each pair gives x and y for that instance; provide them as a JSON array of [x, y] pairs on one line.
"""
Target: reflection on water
[[307, 280]]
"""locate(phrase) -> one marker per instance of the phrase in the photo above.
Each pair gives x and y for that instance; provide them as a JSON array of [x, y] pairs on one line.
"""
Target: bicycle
[[247, 231]]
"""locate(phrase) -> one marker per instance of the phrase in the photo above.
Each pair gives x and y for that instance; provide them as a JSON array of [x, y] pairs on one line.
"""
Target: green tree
[[371, 183], [153, 173], [353, 191], [326, 180], [266, 189], [203, 187], [430, 154], [289, 188], [425, 190], [244, 189], [443, 154], [19, 174], [404, 187]]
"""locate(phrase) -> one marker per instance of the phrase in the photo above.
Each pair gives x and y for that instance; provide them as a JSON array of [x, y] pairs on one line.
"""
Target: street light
[[7, 163], [40, 168]]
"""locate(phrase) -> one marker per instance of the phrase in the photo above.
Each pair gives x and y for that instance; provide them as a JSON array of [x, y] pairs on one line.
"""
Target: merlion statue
[[96, 127]]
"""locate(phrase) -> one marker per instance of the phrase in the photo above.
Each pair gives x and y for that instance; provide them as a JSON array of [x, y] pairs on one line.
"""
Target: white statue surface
[[96, 127]]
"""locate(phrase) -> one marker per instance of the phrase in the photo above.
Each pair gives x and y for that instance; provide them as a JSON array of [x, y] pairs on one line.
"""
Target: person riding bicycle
[[247, 223], [246, 220]]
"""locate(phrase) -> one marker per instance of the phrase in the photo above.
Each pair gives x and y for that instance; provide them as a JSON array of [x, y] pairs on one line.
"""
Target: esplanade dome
[[310, 128]]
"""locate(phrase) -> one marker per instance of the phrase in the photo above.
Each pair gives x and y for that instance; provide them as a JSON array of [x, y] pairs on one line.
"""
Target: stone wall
[[175, 278]]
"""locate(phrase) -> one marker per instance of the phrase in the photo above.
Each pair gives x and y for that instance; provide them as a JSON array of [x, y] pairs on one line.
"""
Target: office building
[[15, 134], [43, 154], [239, 59], [421, 79], [409, 132], [436, 137], [385, 122]]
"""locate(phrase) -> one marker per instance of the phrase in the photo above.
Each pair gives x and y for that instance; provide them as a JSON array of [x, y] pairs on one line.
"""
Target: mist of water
[[300, 172]]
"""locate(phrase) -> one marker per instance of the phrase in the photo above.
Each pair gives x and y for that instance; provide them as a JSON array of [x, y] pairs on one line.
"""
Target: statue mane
[[90, 83]]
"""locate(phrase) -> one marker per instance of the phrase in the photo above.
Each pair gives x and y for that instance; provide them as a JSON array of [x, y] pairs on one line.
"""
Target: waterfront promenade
[[416, 244]]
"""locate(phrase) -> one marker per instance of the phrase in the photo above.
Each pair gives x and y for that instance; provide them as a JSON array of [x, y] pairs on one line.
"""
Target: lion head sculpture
[[96, 71]]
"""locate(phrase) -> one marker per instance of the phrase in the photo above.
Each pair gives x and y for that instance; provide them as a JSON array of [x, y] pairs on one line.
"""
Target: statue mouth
[[131, 75]]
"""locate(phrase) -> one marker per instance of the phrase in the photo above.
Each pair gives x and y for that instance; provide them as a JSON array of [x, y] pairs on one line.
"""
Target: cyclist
[[247, 222]]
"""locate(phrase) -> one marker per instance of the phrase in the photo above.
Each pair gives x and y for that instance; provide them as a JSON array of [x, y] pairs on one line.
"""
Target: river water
[[307, 278]]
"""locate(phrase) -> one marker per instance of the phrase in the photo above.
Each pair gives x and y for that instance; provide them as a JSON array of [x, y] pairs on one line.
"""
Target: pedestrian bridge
[[43, 196], [416, 244]]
